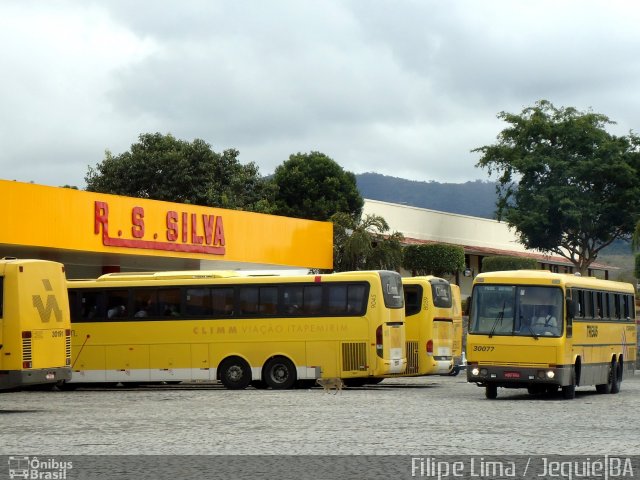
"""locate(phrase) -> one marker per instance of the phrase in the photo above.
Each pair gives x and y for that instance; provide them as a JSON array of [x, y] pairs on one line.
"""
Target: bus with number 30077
[[543, 331]]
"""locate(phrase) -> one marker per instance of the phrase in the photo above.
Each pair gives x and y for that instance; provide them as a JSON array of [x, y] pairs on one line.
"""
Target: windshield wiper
[[498, 319], [534, 334]]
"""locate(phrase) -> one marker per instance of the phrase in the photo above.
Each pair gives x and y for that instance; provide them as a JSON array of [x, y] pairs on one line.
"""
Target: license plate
[[511, 374]]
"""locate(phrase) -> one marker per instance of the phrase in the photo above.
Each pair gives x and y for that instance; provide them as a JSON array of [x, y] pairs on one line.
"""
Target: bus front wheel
[[235, 373], [491, 392], [280, 373]]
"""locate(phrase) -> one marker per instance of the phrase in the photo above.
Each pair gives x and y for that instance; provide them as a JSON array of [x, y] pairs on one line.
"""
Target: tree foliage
[[433, 259], [315, 187], [497, 264], [161, 167], [364, 244], [565, 184]]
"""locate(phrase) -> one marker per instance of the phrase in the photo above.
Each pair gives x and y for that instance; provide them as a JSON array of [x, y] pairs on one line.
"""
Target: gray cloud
[[401, 88]]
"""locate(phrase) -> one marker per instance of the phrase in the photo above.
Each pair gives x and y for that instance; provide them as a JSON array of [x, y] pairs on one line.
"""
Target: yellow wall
[[41, 216]]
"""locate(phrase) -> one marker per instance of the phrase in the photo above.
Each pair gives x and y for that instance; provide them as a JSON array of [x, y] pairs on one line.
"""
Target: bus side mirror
[[571, 309], [467, 306], [571, 312]]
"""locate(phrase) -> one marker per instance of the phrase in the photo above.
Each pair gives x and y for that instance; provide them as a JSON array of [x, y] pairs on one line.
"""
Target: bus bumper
[[519, 377], [10, 379]]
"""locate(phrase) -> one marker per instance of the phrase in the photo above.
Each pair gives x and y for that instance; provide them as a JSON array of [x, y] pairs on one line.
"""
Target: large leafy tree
[[313, 186], [162, 167], [364, 244], [566, 185]]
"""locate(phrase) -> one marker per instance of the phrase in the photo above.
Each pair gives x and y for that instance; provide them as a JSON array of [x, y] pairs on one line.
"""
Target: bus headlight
[[475, 371], [550, 374]]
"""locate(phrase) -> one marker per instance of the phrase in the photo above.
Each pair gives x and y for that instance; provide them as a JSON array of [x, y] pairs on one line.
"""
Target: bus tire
[[279, 373], [616, 374], [611, 374], [234, 373], [569, 391], [491, 392]]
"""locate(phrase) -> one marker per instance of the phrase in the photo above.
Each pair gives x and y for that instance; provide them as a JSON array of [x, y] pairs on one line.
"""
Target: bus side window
[[356, 301], [312, 300], [198, 301], [89, 306], [292, 299], [249, 298], [412, 299], [337, 299]]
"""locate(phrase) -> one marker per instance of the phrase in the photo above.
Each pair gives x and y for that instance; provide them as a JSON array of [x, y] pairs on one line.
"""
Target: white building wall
[[423, 224]]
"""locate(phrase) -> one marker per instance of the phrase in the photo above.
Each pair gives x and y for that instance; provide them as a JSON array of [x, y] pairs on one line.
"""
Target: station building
[[480, 237], [95, 233]]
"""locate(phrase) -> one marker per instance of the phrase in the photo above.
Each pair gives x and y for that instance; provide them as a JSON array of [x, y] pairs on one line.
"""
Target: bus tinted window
[[346, 299], [337, 299], [169, 302], [222, 301], [392, 289], [412, 299], [145, 303], [198, 301], [441, 295], [90, 306], [301, 299], [117, 301], [249, 297]]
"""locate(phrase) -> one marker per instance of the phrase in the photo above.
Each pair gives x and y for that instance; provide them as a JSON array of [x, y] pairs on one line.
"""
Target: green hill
[[476, 198]]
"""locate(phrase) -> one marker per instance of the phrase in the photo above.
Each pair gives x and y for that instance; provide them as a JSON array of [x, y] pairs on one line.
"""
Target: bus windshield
[[521, 310]]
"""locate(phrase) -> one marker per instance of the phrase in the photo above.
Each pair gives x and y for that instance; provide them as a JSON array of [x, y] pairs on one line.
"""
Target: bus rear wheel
[[616, 374], [235, 373], [279, 373], [491, 392]]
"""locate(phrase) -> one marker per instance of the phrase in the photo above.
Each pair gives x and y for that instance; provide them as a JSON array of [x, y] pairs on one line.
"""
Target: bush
[[496, 264], [433, 259]]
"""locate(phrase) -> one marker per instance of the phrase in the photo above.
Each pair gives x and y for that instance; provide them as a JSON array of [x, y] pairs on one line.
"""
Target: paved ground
[[419, 416]]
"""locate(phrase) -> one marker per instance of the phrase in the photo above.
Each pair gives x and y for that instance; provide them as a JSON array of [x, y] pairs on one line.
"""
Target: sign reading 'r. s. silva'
[[184, 232]]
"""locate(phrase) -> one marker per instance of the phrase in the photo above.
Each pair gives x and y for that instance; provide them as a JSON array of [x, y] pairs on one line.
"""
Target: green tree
[[315, 187], [499, 263], [364, 244], [433, 259], [161, 167], [566, 185]]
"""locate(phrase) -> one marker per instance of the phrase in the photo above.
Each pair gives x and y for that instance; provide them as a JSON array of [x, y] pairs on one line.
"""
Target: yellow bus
[[269, 331], [541, 331], [457, 348], [433, 321], [35, 342]]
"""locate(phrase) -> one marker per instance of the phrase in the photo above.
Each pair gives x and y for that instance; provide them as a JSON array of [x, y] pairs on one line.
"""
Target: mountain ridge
[[475, 198]]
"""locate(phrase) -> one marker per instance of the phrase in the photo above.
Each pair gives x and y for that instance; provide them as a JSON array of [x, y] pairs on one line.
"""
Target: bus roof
[[545, 277]]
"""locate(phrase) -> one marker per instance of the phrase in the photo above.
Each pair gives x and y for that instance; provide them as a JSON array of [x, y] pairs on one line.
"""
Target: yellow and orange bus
[[35, 342], [433, 321], [543, 331], [266, 331]]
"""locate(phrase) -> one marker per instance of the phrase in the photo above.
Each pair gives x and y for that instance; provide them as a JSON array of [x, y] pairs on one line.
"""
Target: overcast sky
[[401, 88]]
